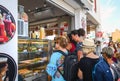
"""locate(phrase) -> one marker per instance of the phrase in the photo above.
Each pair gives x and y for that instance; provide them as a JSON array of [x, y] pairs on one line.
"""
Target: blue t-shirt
[[55, 61]]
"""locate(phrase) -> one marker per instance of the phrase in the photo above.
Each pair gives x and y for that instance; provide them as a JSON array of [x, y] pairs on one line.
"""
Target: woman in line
[[57, 59], [112, 45], [87, 63]]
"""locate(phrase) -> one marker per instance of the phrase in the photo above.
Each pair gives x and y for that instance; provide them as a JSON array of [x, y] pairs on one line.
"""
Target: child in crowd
[[57, 59]]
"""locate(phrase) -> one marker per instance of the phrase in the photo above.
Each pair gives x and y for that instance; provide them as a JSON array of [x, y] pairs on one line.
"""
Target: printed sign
[[7, 25], [99, 34]]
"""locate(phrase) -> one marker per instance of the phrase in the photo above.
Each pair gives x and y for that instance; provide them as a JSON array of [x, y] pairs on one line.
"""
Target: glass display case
[[33, 57]]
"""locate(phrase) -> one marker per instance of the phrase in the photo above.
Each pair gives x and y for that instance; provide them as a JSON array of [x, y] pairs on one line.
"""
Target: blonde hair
[[88, 49], [62, 41], [88, 46]]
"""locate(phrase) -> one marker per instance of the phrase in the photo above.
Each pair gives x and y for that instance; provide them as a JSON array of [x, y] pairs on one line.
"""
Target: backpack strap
[[60, 71], [63, 53]]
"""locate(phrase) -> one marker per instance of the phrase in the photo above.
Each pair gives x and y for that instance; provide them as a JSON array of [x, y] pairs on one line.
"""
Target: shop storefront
[[85, 14], [37, 26], [62, 15], [44, 21], [38, 23], [45, 15]]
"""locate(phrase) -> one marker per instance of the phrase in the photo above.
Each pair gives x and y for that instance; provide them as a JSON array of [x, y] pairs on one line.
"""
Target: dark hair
[[118, 44], [98, 42], [3, 64], [74, 32], [81, 32], [115, 49], [110, 42], [70, 39], [69, 36]]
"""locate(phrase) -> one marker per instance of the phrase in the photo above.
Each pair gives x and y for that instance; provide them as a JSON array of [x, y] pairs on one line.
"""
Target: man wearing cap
[[102, 70]]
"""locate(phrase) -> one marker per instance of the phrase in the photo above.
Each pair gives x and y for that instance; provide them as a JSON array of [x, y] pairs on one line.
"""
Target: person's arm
[[80, 74], [79, 51], [0, 77], [79, 54], [81, 68]]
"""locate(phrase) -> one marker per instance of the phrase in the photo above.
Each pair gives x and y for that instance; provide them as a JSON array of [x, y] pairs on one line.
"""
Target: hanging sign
[[99, 34]]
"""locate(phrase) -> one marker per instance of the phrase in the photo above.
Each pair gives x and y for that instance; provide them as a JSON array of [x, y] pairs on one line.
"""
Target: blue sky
[[110, 15]]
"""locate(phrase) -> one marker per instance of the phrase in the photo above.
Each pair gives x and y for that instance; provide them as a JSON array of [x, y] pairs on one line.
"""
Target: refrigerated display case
[[33, 57]]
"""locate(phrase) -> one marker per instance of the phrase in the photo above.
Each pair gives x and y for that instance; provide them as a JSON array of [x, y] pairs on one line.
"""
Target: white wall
[[98, 8], [11, 46], [80, 16]]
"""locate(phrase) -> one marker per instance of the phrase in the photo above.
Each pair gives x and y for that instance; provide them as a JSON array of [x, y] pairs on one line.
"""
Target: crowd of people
[[94, 64]]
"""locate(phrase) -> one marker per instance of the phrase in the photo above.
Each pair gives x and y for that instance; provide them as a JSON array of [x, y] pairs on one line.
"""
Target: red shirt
[[73, 47]]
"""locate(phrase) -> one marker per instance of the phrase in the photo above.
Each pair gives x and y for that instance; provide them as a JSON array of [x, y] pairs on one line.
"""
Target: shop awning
[[86, 4]]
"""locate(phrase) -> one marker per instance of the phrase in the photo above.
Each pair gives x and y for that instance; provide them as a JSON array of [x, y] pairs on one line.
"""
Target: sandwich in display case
[[33, 56]]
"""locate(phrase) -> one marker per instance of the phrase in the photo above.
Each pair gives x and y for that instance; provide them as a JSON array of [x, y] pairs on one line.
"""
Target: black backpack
[[70, 66]]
